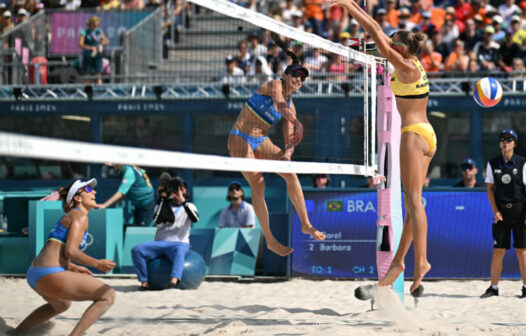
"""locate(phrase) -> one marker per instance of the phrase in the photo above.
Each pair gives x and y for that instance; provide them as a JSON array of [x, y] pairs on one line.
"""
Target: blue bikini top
[[60, 234], [263, 107]]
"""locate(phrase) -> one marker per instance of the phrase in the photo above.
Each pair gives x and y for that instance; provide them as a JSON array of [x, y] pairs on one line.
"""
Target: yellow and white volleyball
[[487, 92]]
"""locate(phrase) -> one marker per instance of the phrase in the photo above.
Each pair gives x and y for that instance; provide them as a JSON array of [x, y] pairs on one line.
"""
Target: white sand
[[295, 307]]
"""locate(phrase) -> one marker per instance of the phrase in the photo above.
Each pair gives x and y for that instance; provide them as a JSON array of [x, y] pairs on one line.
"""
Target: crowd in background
[[463, 36]]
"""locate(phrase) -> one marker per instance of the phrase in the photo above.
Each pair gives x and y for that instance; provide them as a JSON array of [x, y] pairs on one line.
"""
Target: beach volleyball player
[[248, 138], [418, 144], [52, 274]]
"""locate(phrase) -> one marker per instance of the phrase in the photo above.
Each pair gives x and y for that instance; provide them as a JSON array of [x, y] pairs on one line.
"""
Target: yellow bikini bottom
[[426, 131]]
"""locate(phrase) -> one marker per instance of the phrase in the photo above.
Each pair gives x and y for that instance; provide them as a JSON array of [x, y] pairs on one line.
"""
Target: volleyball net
[[232, 54]]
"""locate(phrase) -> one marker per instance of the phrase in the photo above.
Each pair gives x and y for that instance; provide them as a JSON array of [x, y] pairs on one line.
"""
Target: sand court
[[293, 307]]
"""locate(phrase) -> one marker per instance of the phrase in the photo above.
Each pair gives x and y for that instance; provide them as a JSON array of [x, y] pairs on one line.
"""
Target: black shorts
[[513, 220]]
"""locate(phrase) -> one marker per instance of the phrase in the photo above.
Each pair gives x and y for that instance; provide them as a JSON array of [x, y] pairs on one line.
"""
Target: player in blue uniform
[[52, 274], [248, 138]]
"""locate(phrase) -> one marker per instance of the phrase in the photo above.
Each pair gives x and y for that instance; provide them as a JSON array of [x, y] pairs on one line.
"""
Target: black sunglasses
[[466, 167], [296, 74], [507, 139], [234, 187]]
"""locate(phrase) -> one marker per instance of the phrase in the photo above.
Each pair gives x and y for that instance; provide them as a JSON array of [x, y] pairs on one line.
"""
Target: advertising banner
[[66, 27], [459, 240]]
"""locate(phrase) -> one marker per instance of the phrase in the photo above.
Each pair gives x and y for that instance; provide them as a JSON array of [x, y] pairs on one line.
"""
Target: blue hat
[[234, 183], [468, 163], [509, 131]]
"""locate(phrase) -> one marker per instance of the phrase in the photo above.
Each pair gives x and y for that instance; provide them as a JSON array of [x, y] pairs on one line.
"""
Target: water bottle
[[3, 223]]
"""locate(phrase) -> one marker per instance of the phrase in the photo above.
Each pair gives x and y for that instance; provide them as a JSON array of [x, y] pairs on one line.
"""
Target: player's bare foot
[[419, 274], [279, 249], [394, 271], [313, 232]]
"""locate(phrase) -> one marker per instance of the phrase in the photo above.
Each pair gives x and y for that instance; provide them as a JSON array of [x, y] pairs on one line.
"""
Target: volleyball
[[487, 92]]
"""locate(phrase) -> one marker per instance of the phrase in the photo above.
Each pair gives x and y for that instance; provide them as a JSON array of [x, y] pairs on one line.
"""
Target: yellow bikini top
[[415, 90]]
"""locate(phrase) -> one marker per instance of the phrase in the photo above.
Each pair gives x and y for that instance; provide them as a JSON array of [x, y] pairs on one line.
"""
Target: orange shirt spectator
[[416, 17], [393, 14], [314, 9], [430, 59], [437, 16], [458, 60]]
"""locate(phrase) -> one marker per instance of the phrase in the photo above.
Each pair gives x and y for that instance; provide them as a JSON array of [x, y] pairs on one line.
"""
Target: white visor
[[79, 185]]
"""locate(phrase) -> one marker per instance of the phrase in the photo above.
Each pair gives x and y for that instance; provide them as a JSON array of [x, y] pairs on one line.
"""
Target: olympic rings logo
[[89, 241]]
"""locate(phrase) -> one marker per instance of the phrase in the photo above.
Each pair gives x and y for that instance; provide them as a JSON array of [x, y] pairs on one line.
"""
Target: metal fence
[[142, 49], [24, 42]]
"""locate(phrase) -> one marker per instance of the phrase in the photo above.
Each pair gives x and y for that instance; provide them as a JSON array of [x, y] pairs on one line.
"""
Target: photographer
[[174, 217]]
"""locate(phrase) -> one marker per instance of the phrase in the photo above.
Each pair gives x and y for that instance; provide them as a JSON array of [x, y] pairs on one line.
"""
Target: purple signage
[[66, 28]]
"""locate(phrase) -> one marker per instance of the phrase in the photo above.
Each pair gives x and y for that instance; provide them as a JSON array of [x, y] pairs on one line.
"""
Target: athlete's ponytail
[[280, 43]]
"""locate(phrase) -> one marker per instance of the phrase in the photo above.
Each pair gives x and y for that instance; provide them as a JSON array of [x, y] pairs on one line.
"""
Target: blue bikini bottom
[[253, 141], [35, 273]]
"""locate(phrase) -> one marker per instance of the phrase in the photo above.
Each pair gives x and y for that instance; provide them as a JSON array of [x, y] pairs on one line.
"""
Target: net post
[[390, 221]]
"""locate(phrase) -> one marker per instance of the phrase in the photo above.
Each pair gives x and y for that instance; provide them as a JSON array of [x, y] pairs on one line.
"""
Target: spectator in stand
[[473, 66], [469, 171], [259, 70], [403, 22], [508, 9], [354, 29], [392, 14], [449, 31], [297, 48], [382, 21], [112, 5], [470, 36], [518, 67], [499, 34], [30, 6], [462, 10], [431, 60], [239, 214], [255, 48], [450, 15], [275, 59], [337, 19], [8, 22], [21, 16], [476, 9], [39, 7], [426, 26], [72, 5], [232, 73], [519, 33], [344, 38], [91, 41], [416, 13], [174, 8], [522, 53], [507, 52], [321, 181], [315, 15], [437, 16], [440, 46], [458, 60], [297, 21], [315, 63], [479, 23], [487, 49], [289, 11], [242, 53], [336, 69]]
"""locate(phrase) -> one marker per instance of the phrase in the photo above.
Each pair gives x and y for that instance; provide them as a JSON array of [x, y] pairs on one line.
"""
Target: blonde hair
[[94, 20], [63, 193], [411, 40]]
